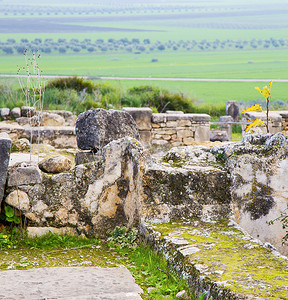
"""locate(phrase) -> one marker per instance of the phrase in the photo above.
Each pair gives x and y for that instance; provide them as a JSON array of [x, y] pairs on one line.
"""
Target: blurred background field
[[156, 39]]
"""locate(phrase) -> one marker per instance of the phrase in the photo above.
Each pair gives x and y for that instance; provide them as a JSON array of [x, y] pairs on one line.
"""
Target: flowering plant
[[266, 92]]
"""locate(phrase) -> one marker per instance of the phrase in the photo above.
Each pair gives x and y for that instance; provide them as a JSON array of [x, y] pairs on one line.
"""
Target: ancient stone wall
[[172, 128], [258, 167]]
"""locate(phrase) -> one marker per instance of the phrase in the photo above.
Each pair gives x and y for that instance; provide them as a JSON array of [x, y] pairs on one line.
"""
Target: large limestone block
[[55, 164], [5, 147], [96, 128], [24, 173], [142, 116], [202, 133]]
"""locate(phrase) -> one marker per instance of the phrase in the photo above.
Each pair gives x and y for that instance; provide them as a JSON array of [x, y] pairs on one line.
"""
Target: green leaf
[[9, 212], [16, 220]]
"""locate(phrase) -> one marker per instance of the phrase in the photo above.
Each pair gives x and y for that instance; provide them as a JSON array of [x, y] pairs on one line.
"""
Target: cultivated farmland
[[133, 39]]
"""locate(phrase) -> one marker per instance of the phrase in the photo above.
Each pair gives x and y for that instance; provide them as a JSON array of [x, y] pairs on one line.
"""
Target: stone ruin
[[114, 181]]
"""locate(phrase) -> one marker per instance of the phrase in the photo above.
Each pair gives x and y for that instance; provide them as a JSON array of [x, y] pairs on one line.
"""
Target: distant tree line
[[103, 9], [135, 45]]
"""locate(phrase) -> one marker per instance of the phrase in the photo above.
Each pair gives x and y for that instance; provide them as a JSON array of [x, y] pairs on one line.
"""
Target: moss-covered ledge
[[220, 258]]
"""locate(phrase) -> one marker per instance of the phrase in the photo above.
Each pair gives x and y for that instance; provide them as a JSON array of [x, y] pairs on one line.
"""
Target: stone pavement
[[70, 283]]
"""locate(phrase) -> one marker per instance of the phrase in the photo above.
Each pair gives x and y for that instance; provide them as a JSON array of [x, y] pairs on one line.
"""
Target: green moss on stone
[[233, 259]]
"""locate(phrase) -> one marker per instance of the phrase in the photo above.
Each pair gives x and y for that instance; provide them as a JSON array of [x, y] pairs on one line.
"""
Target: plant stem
[[267, 114]]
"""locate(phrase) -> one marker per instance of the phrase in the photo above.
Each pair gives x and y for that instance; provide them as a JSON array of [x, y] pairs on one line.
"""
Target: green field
[[213, 92], [240, 21], [237, 65]]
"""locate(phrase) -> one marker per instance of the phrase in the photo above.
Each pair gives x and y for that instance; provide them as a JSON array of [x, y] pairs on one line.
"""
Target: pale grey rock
[[55, 164], [181, 294], [18, 199], [219, 135], [15, 112], [5, 148], [24, 173], [4, 113], [202, 133], [22, 121], [159, 118], [142, 116], [96, 128]]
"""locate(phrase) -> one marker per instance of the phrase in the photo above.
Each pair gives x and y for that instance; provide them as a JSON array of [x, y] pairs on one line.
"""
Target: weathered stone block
[[174, 112], [55, 164], [159, 118], [145, 137], [164, 131], [51, 119], [28, 111], [226, 127], [171, 124], [174, 117], [159, 142], [18, 199], [184, 133], [24, 173], [96, 128], [142, 116], [5, 147], [188, 141], [218, 135], [184, 123], [84, 157], [232, 109], [202, 133], [4, 113], [15, 112], [201, 118]]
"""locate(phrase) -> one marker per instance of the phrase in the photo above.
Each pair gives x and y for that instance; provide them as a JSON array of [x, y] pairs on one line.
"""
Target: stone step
[[221, 259]]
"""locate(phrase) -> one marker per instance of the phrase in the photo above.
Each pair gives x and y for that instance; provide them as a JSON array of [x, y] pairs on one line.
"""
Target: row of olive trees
[[104, 9], [135, 45]]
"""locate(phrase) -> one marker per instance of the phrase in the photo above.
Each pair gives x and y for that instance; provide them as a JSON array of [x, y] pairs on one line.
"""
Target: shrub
[[162, 100], [75, 83]]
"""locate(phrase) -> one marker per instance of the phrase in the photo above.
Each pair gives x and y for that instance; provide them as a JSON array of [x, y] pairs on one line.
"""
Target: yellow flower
[[266, 92], [254, 124], [5, 236], [255, 107]]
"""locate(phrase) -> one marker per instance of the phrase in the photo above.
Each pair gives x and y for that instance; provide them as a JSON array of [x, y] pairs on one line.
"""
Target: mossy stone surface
[[233, 260]]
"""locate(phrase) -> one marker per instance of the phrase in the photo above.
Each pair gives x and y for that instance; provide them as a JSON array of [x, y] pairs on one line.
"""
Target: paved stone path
[[71, 283]]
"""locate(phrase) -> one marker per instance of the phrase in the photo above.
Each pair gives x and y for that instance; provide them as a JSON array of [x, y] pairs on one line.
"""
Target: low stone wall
[[164, 129], [172, 128], [275, 120]]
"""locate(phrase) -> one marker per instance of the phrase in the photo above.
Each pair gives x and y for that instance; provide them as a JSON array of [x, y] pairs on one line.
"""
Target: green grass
[[212, 92], [149, 269], [228, 64]]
